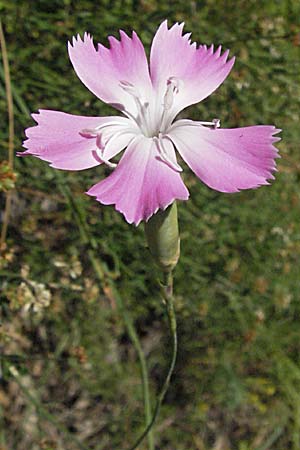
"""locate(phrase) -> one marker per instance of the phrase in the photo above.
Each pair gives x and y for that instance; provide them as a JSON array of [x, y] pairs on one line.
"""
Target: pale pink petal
[[201, 70], [141, 184], [228, 159], [103, 69], [58, 140]]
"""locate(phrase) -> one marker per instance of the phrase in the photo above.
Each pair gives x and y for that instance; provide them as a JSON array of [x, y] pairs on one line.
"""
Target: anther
[[216, 123]]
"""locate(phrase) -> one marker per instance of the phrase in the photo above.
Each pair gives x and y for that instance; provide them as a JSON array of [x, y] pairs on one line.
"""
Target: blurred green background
[[72, 379]]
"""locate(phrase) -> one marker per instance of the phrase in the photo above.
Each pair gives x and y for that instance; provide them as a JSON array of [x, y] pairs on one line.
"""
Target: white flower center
[[152, 118]]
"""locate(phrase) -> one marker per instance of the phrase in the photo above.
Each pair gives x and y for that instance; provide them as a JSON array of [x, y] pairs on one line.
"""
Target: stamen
[[163, 154], [215, 123], [98, 133], [93, 132], [103, 146]]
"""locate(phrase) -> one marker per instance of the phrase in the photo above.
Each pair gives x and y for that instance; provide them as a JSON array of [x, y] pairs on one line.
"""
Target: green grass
[[237, 379]]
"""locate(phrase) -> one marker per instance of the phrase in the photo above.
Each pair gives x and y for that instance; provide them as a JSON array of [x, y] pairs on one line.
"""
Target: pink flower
[[147, 178]]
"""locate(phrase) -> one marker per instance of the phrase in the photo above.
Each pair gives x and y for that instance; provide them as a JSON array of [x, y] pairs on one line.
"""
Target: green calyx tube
[[162, 236]]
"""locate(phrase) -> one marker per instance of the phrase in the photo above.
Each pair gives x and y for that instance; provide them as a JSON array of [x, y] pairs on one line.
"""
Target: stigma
[[174, 84]]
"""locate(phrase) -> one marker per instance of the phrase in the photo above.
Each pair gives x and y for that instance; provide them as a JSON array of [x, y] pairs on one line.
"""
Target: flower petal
[[57, 139], [141, 184], [228, 159], [103, 69], [201, 70]]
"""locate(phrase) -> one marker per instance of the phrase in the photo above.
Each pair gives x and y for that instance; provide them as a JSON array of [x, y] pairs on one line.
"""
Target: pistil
[[174, 84]]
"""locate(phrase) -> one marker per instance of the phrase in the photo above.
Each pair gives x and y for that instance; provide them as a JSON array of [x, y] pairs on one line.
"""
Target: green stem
[[168, 298]]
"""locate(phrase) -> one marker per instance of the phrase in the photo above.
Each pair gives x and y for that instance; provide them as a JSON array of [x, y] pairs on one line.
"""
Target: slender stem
[[167, 294], [10, 110], [112, 293]]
